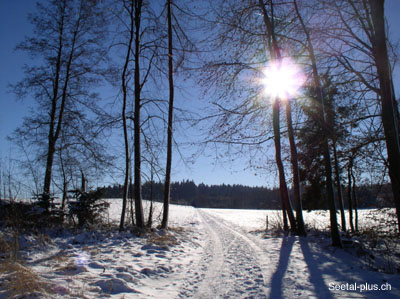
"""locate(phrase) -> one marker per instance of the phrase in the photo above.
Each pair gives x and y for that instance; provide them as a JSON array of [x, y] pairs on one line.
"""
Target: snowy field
[[208, 253]]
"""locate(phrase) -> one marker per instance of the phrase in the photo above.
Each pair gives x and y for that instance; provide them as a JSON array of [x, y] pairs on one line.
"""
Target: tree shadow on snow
[[336, 265], [316, 279], [340, 267], [277, 277]]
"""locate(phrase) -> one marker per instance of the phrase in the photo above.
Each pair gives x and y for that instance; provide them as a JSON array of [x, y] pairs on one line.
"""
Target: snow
[[207, 253]]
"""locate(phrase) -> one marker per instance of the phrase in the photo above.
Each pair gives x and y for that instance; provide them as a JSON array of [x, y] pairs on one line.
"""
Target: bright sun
[[282, 79]]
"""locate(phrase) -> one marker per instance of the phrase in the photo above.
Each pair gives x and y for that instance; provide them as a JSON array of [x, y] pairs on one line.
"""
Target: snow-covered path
[[234, 270]]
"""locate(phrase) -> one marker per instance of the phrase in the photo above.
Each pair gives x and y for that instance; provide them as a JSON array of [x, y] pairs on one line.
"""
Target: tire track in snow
[[234, 270], [208, 288], [264, 260]]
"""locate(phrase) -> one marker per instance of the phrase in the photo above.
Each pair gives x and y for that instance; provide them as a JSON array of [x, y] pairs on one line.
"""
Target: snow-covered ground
[[208, 253]]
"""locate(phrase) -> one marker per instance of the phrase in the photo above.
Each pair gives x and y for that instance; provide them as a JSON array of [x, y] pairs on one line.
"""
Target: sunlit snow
[[208, 253]]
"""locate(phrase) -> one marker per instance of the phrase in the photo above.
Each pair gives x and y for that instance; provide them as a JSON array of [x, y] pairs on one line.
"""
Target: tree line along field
[[245, 197]]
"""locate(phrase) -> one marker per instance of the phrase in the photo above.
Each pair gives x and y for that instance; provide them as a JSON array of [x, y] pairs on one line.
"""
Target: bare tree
[[136, 118], [351, 192], [277, 57], [66, 43], [167, 190], [339, 186], [129, 7], [138, 38]]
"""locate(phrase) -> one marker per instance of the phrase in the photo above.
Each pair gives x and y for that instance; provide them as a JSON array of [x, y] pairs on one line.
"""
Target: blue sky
[[14, 26]]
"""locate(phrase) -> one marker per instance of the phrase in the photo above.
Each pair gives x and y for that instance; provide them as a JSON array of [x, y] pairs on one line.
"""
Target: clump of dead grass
[[21, 281], [9, 246], [163, 238]]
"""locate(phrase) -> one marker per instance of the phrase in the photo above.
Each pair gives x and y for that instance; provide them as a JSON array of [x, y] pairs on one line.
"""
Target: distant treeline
[[245, 197], [208, 196]]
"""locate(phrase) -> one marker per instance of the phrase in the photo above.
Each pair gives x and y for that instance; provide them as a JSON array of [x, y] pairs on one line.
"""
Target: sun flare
[[282, 79]]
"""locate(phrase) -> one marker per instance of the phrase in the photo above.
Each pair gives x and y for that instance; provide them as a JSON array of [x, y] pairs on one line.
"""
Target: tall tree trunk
[[150, 218], [276, 56], [295, 168], [130, 10], [284, 215], [65, 186], [354, 197], [350, 194], [336, 240], [137, 127], [388, 102], [83, 181], [127, 167], [45, 200], [51, 140], [283, 191], [131, 199], [167, 185], [339, 187]]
